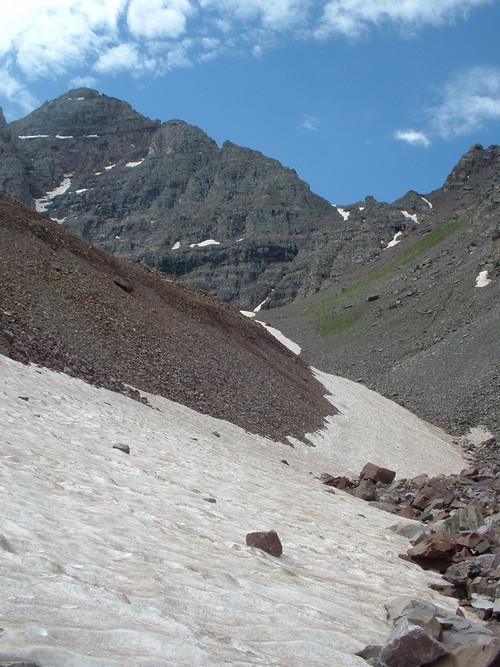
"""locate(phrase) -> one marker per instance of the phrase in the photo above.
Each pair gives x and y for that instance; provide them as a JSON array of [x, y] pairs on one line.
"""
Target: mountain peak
[[80, 112]]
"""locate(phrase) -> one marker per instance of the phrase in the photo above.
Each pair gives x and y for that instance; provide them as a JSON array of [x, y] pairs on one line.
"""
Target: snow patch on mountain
[[42, 204], [134, 164], [395, 240], [411, 216], [203, 244], [483, 279]]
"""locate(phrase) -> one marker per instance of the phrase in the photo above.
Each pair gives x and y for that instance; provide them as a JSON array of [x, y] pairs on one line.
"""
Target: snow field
[[108, 559]]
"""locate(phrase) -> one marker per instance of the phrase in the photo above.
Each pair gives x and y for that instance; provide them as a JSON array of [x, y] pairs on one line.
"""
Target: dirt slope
[[69, 306]]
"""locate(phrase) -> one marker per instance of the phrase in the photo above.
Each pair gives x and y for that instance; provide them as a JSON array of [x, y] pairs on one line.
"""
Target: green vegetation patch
[[325, 315]]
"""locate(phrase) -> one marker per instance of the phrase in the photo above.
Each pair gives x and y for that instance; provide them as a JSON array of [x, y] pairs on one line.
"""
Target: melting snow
[[59, 220], [395, 240], [412, 216], [176, 245], [362, 208], [482, 279], [114, 559], [203, 244], [79, 192], [33, 136], [110, 166], [247, 313], [427, 202], [92, 136], [345, 214], [134, 164], [62, 136], [43, 203], [296, 349]]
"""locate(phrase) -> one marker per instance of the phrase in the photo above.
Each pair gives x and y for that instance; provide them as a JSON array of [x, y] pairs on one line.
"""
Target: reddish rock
[[435, 551], [343, 483], [266, 541], [378, 474], [409, 512]]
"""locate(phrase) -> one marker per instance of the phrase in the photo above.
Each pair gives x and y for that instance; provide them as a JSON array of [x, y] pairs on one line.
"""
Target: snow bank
[[111, 560], [203, 244], [483, 279]]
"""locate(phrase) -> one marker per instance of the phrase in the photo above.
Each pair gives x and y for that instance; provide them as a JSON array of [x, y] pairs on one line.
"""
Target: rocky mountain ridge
[[227, 219]]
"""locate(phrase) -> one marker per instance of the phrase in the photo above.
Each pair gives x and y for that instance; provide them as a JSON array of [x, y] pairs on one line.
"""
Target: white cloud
[[83, 82], [51, 38], [469, 100], [353, 17], [117, 58], [310, 123], [274, 15], [413, 137], [14, 91], [158, 19]]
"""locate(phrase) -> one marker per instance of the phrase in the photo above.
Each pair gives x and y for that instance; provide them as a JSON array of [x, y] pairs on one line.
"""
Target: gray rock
[[411, 646]]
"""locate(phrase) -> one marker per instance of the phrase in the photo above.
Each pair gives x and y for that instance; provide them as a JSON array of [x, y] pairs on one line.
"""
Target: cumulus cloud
[[412, 137], [51, 38], [158, 19], [469, 100], [117, 58]]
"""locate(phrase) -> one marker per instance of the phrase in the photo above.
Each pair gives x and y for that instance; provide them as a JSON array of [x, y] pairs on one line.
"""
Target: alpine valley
[[400, 296]]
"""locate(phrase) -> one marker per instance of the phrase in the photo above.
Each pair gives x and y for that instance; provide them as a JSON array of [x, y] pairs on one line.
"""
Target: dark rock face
[[157, 193]]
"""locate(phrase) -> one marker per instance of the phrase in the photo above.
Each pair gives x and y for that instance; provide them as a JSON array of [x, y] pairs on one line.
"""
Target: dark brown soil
[[68, 306]]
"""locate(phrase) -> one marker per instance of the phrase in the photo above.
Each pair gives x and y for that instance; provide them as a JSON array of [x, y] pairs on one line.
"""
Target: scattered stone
[[24, 398], [122, 447], [209, 499], [285, 462], [266, 541]]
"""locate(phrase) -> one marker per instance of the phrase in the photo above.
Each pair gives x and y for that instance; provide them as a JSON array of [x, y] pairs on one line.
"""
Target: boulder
[[266, 541], [377, 473], [434, 551], [411, 646]]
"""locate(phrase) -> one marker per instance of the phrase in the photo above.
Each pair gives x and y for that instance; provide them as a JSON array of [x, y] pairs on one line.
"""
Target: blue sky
[[360, 97]]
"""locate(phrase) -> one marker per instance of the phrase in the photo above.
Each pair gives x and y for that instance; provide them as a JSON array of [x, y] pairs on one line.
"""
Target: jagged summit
[[81, 112]]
